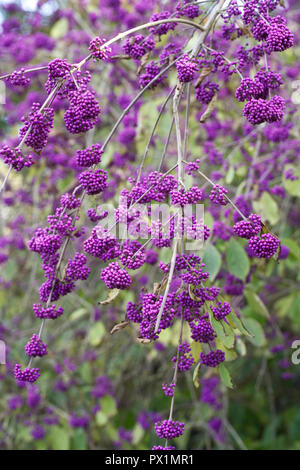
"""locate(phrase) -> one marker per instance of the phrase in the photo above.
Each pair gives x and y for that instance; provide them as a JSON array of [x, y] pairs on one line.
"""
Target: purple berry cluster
[[169, 389], [183, 197], [217, 195], [15, 158], [206, 92], [101, 244], [93, 181], [186, 359], [89, 156], [259, 111], [26, 375], [213, 358], [221, 310], [37, 127], [115, 277], [152, 70], [169, 429], [76, 269], [35, 347], [98, 51], [248, 228], [18, 78], [83, 111], [164, 28], [186, 69], [188, 9], [132, 255], [52, 312], [202, 331], [265, 246], [137, 46]]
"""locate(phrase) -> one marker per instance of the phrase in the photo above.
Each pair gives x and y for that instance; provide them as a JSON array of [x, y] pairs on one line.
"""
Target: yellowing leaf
[[225, 376], [60, 28], [96, 334], [267, 207], [256, 303], [196, 348], [196, 375], [112, 295]]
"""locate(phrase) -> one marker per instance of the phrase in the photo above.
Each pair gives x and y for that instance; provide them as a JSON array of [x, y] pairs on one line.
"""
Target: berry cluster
[[115, 277], [169, 429], [52, 312], [83, 111], [221, 310], [98, 51], [18, 78], [37, 127], [89, 156], [93, 182], [137, 46], [213, 358], [265, 246], [248, 228], [15, 158], [202, 331], [26, 375], [206, 92], [169, 389], [186, 69], [217, 195], [35, 347], [163, 28]]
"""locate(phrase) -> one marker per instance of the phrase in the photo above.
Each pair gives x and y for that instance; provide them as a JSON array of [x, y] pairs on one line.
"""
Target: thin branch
[[163, 107], [171, 272]]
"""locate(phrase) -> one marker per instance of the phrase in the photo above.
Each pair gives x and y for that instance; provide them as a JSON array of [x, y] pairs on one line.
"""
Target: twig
[[171, 272]]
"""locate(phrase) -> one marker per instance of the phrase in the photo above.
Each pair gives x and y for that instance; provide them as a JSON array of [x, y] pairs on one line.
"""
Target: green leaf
[[292, 187], [217, 326], [235, 321], [230, 354], [60, 28], [241, 347], [108, 405], [137, 434], [237, 259], [293, 246], [258, 338], [96, 334], [212, 260], [59, 438], [111, 296], [208, 219], [79, 439], [229, 175], [256, 303], [225, 376], [196, 348], [267, 207], [77, 314], [196, 375], [283, 305], [101, 418], [11, 269], [229, 338]]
